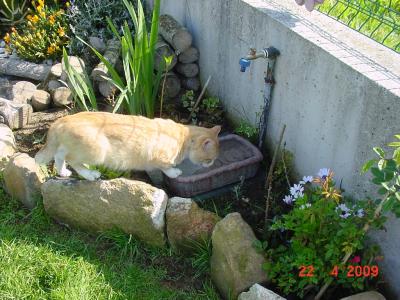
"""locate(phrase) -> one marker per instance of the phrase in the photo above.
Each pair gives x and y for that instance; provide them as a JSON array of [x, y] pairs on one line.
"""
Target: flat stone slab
[[133, 206], [24, 69]]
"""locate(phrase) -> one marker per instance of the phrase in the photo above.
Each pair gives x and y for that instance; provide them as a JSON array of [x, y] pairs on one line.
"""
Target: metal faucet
[[269, 52]]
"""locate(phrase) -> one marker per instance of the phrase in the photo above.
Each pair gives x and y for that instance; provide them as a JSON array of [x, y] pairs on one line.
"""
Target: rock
[[258, 292], [4, 55], [15, 115], [48, 62], [372, 295], [2, 50], [107, 89], [76, 63], [23, 179], [53, 85], [7, 145], [21, 68], [41, 100], [2, 44], [135, 207], [235, 264], [56, 71], [97, 43], [62, 96], [5, 87], [22, 92], [187, 223]]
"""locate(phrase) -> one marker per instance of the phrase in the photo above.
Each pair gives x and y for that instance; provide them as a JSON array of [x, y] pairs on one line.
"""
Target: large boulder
[[188, 224], [23, 179], [372, 295], [135, 207], [7, 145], [258, 292], [235, 264]]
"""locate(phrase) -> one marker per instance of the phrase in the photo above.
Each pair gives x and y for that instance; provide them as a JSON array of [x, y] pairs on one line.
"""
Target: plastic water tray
[[238, 159]]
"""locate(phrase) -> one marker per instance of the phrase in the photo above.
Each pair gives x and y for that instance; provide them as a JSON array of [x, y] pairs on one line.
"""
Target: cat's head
[[205, 146]]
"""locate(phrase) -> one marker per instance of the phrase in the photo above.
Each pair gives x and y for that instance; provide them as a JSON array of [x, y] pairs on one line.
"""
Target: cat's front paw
[[65, 173], [173, 172]]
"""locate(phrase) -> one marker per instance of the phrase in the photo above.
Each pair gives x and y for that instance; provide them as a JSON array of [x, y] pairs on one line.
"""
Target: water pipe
[[270, 54]]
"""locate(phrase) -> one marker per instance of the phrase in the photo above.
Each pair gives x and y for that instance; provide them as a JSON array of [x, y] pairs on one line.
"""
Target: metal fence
[[377, 19]]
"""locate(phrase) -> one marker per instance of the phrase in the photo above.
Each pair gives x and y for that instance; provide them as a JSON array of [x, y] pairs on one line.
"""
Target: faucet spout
[[244, 64]]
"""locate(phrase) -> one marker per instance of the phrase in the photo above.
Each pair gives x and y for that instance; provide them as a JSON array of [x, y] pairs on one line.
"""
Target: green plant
[[12, 12], [321, 228], [80, 85], [42, 35], [202, 251], [86, 19], [188, 102], [386, 174], [167, 63], [212, 107], [139, 86], [247, 130]]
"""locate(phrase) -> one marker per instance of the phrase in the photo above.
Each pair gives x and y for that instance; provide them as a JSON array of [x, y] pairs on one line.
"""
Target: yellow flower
[[35, 19], [51, 49], [67, 4], [52, 20], [43, 14], [61, 31], [29, 17], [7, 38]]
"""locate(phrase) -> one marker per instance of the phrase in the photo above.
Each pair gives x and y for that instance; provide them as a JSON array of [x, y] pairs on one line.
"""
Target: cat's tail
[[46, 154]]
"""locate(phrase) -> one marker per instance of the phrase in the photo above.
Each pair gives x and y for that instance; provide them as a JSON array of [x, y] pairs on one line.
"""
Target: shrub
[[88, 18], [42, 35], [247, 130], [12, 12], [318, 232]]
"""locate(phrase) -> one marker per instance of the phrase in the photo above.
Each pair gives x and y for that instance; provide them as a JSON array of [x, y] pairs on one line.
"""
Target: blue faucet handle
[[244, 63]]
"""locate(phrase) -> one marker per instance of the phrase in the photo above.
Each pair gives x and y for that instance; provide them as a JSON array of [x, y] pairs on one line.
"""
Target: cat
[[122, 142]]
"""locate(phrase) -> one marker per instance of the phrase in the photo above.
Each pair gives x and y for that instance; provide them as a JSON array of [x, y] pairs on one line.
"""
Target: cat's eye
[[207, 161]]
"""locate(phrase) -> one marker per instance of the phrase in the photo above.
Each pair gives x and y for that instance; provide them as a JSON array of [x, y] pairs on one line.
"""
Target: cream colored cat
[[122, 142]]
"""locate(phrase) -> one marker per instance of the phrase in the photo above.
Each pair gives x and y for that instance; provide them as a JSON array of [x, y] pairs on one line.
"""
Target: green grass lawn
[[40, 259], [374, 18]]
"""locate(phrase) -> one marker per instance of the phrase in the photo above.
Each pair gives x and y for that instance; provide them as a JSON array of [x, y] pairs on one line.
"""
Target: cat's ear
[[207, 144], [216, 129]]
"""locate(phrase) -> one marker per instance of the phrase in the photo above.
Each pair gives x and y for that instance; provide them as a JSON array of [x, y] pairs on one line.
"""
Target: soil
[[33, 136]]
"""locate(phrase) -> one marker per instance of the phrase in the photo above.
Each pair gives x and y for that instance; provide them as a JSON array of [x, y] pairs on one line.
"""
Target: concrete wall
[[337, 91]]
